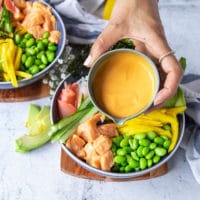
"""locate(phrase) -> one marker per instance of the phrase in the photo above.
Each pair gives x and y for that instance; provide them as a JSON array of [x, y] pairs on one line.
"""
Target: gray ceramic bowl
[[55, 118], [61, 45], [97, 66]]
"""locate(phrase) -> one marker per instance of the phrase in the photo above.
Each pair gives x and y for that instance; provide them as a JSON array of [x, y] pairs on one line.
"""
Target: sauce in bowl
[[124, 84]]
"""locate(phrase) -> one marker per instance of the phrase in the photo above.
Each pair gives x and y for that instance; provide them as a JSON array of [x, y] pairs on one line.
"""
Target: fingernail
[[87, 61], [157, 101]]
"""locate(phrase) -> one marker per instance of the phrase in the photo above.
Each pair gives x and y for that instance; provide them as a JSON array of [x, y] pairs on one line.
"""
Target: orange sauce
[[124, 84]]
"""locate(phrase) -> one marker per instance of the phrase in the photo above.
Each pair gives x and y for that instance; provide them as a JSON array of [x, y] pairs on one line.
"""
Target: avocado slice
[[32, 113], [38, 134], [41, 121]]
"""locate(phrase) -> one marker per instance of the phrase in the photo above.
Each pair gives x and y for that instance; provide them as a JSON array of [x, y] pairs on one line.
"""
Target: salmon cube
[[107, 161], [102, 144], [109, 130]]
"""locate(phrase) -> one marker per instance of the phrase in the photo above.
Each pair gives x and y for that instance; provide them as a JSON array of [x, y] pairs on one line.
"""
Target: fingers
[[174, 74], [105, 40]]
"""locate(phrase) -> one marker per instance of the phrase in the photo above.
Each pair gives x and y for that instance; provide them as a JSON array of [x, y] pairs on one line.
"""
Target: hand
[[140, 21]]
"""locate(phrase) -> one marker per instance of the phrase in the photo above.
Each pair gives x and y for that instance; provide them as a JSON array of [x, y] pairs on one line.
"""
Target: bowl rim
[[181, 118], [96, 66], [25, 82]]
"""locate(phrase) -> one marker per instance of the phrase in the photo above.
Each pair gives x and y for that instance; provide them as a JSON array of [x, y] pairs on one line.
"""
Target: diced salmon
[[102, 144], [76, 145], [109, 130], [92, 157], [54, 36], [88, 130], [20, 3], [107, 161]]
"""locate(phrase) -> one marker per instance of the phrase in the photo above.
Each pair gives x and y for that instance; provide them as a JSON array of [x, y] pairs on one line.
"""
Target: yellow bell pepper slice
[[23, 74], [108, 9], [18, 58]]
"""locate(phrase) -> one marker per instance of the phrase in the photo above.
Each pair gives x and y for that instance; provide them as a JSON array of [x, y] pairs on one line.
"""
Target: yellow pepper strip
[[3, 56], [6, 77], [9, 62], [18, 58], [135, 129], [176, 110], [108, 9], [23, 74]]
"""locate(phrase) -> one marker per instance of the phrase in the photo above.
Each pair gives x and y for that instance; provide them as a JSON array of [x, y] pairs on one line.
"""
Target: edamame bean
[[156, 159], [122, 169], [45, 41], [46, 35], [113, 148], [145, 150], [39, 55], [29, 61], [166, 144], [135, 156], [151, 135], [164, 137], [34, 69], [166, 127], [140, 136], [28, 36], [149, 163], [120, 159], [38, 62], [115, 168], [30, 51], [127, 149], [128, 168], [152, 146], [160, 151], [40, 45], [30, 42], [139, 151], [117, 140], [133, 163], [158, 140], [149, 155], [50, 56], [144, 142], [23, 59], [44, 59], [42, 66], [124, 142], [133, 143], [143, 163], [121, 152], [52, 47]]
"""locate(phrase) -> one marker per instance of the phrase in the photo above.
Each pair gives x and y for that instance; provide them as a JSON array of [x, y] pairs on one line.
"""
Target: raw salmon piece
[[88, 130], [109, 130], [107, 161], [76, 144], [54, 36], [92, 158], [102, 144]]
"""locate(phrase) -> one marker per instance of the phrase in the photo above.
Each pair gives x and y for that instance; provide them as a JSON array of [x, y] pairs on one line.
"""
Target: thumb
[[104, 41]]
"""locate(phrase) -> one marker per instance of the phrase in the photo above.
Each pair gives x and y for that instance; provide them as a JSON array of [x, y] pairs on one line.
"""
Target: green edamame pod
[[133, 163], [143, 163], [50, 56], [46, 35], [40, 45], [30, 51], [124, 142], [133, 143], [52, 47], [34, 69], [160, 151], [28, 36], [23, 59]]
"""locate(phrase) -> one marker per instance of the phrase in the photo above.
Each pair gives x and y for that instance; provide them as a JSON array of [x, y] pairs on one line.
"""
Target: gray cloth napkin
[[83, 26]]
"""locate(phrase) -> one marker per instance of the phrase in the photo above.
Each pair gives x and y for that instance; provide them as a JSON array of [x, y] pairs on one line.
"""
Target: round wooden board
[[34, 91]]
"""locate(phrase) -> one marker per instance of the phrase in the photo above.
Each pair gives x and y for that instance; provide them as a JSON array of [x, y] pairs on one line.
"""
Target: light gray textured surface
[[37, 175]]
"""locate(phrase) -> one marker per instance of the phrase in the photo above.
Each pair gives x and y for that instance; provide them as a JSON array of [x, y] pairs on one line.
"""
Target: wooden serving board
[[34, 91], [70, 167]]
